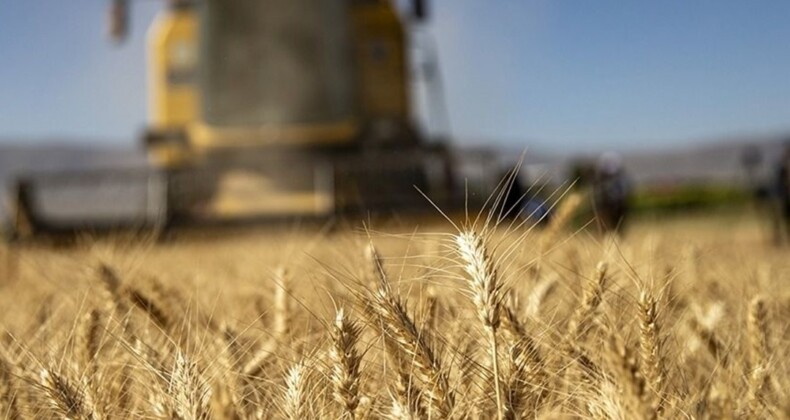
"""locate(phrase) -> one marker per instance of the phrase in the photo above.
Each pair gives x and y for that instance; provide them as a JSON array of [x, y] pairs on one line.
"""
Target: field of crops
[[680, 318]]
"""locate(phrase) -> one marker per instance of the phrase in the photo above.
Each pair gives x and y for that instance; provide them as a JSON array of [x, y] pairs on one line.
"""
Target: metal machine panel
[[276, 62]]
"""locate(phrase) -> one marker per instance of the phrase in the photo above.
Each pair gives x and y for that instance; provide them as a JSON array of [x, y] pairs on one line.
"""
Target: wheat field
[[465, 318]]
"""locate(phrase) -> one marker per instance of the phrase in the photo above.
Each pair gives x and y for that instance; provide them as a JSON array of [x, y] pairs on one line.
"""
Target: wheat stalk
[[260, 360], [9, 399], [282, 304]]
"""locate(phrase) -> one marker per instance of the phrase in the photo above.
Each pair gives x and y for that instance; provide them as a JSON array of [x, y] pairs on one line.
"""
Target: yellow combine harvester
[[265, 108]]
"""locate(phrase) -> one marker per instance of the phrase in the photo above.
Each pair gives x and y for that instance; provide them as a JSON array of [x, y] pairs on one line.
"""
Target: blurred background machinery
[[261, 109]]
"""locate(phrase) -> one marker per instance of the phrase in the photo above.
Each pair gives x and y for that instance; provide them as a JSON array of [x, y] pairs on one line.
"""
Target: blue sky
[[556, 75]]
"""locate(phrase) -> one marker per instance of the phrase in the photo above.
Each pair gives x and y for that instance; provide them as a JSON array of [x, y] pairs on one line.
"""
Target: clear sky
[[554, 74]]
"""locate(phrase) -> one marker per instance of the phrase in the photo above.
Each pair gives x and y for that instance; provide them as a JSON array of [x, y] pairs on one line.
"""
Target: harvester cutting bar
[[236, 188], [68, 201]]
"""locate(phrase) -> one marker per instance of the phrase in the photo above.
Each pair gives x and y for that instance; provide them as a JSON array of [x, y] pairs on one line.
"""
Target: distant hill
[[713, 161], [720, 162]]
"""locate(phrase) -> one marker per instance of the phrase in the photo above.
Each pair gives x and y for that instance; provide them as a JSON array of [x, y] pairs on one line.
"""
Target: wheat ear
[[591, 299], [399, 327], [294, 401], [191, 394], [487, 296], [150, 306], [92, 334], [651, 361], [345, 364], [562, 216], [66, 399], [712, 342], [758, 331], [526, 364], [116, 303], [759, 377], [538, 295]]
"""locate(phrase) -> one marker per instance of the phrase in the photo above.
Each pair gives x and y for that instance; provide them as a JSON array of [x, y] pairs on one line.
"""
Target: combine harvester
[[262, 110]]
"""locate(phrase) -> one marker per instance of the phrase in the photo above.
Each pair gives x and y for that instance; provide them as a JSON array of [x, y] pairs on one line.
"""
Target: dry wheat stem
[[282, 304], [8, 391]]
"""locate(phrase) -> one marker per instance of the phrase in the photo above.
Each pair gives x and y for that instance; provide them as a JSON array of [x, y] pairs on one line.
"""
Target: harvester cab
[[261, 109]]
